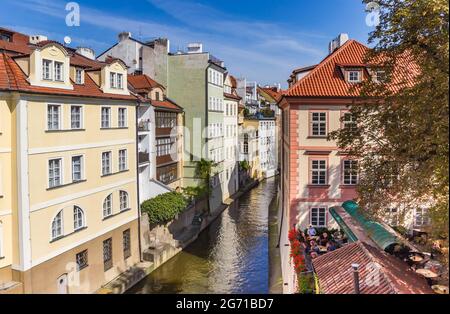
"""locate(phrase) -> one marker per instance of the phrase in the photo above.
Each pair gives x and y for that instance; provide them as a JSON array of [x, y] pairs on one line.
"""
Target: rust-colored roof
[[233, 81], [12, 78], [272, 92], [326, 79], [167, 105], [232, 96], [143, 82], [335, 273]]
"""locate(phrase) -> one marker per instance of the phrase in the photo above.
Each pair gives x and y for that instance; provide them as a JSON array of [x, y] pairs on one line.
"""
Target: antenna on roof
[[140, 33]]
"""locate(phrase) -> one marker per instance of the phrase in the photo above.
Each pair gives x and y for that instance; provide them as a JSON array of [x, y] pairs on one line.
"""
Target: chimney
[[124, 36], [35, 39], [337, 42], [356, 277], [195, 48], [86, 52]]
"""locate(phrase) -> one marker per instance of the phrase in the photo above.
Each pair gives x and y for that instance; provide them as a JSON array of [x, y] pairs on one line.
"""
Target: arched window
[[57, 225], [107, 206], [78, 218], [123, 200]]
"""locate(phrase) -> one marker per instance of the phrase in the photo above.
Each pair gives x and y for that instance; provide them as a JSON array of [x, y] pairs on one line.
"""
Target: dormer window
[[79, 76], [380, 76], [354, 76], [59, 66], [58, 73], [116, 80]]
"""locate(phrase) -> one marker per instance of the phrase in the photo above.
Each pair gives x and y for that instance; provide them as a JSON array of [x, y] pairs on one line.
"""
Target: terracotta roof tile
[[326, 79], [335, 273], [166, 104], [143, 82]]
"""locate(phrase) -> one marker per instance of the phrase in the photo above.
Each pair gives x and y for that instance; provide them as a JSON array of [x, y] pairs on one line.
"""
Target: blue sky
[[262, 40]]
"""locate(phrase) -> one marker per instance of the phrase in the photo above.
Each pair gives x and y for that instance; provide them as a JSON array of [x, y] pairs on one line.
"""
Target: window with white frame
[[53, 117], [78, 218], [318, 216], [76, 117], [123, 196], [318, 123], [47, 70], [57, 226], [77, 168], [123, 160], [354, 76], [164, 146], [106, 163], [54, 172], [421, 217], [116, 80], [59, 71], [119, 81], [122, 120], [79, 76], [107, 206], [350, 170], [82, 260], [106, 117], [349, 122], [318, 172], [112, 80]]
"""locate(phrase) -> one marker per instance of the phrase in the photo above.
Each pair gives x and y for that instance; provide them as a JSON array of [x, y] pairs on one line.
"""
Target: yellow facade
[[30, 253]]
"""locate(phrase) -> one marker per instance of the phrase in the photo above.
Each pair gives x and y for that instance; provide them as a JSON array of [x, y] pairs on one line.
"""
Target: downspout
[[138, 181], [206, 126]]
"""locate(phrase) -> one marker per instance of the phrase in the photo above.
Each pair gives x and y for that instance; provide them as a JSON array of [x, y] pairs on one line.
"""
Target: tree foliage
[[164, 207], [401, 133]]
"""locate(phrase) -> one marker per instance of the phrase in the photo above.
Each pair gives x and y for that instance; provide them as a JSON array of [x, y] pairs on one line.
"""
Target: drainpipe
[[138, 190], [356, 277]]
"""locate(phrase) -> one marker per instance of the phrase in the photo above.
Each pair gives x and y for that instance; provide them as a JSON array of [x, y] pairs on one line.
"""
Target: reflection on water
[[230, 256]]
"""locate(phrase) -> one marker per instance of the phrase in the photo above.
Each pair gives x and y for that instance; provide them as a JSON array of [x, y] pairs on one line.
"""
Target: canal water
[[230, 256]]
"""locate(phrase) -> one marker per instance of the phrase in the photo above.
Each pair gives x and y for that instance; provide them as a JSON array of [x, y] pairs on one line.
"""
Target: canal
[[230, 256]]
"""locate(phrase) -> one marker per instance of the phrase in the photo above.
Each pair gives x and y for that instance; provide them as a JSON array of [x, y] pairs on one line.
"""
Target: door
[[62, 284]]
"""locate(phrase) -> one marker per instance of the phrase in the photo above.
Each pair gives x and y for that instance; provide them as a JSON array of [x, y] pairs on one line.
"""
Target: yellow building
[[68, 191]]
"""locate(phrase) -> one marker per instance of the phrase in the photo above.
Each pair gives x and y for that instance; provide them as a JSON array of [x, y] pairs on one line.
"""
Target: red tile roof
[[143, 82], [326, 79], [335, 273], [272, 92], [166, 104], [12, 78], [232, 96]]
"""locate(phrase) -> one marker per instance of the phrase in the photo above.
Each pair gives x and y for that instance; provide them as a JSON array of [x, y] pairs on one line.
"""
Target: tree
[[203, 170], [400, 136]]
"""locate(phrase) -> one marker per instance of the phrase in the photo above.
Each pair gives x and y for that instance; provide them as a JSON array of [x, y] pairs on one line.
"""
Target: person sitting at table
[[311, 231], [323, 240], [331, 246], [313, 247]]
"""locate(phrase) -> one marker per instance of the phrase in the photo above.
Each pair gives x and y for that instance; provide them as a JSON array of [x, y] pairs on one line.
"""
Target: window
[[318, 216], [157, 96], [106, 163], [119, 81], [77, 168], [78, 218], [164, 146], [46, 70], [79, 79], [112, 79], [106, 117], [350, 172], [53, 117], [123, 200], [380, 76], [107, 254], [75, 117], [82, 260], [167, 174], [122, 160], [319, 123], [126, 244], [107, 206], [392, 217], [354, 76], [165, 119], [421, 218], [54, 172], [349, 122], [57, 226], [318, 172], [122, 117], [59, 71]]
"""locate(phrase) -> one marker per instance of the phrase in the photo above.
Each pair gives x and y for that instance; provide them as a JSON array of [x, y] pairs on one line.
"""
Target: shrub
[[164, 207]]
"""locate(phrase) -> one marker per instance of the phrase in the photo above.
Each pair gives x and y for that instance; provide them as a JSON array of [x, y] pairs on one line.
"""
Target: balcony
[[143, 126], [144, 158]]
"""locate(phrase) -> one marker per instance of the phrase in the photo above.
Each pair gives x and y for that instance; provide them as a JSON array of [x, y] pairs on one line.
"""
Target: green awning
[[376, 231], [348, 232]]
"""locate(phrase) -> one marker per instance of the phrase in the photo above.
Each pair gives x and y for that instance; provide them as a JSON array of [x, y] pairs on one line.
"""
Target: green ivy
[[164, 207]]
